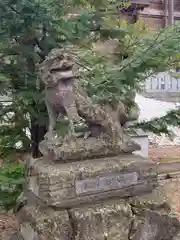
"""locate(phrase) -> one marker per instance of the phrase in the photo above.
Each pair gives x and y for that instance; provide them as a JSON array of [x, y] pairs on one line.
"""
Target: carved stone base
[[113, 198], [112, 220], [90, 181], [76, 149]]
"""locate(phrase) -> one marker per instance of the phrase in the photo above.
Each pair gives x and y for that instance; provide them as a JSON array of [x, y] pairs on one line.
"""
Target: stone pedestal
[[113, 198]]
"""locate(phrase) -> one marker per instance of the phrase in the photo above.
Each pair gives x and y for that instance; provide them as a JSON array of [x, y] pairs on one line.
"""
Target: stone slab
[[71, 184], [76, 149]]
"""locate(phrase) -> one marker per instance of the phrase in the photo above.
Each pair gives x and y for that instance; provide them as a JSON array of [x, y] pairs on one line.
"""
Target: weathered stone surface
[[57, 184], [10, 236], [141, 218], [77, 149], [137, 218], [37, 223], [154, 226], [111, 221], [152, 217], [155, 201]]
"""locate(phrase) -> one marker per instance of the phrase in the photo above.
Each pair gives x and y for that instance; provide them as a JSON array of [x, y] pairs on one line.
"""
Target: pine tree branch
[[145, 51], [160, 125], [13, 9]]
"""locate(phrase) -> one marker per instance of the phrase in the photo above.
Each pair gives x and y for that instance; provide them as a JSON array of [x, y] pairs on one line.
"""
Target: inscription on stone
[[107, 183]]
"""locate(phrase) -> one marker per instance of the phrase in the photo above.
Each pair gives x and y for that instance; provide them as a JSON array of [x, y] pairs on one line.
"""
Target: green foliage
[[138, 54], [29, 29], [160, 125], [103, 83], [11, 184]]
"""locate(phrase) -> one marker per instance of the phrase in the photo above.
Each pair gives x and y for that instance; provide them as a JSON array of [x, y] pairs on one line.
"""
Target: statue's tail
[[95, 114]]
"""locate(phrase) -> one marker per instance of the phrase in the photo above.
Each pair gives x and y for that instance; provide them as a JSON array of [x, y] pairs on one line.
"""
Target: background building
[[159, 14], [156, 13], [163, 87]]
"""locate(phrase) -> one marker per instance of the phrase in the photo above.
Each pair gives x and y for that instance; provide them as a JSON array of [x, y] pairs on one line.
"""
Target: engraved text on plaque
[[102, 184]]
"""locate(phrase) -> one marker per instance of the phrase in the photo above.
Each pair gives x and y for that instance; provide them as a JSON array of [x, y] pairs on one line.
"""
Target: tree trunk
[[38, 130], [37, 135]]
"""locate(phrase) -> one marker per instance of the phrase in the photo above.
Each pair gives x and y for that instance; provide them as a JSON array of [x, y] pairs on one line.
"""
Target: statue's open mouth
[[63, 74], [59, 69]]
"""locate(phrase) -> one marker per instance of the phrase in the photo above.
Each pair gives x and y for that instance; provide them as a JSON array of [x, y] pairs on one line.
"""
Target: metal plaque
[[107, 183]]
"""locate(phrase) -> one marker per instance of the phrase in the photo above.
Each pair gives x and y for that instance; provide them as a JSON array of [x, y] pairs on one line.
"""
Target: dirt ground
[[8, 226], [159, 153]]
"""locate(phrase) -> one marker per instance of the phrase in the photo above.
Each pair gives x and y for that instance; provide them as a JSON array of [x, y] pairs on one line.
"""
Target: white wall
[[144, 143]]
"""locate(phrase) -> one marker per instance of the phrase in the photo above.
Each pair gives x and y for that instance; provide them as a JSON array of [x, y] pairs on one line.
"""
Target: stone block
[[152, 217], [109, 220], [155, 226], [90, 181], [155, 201], [39, 223]]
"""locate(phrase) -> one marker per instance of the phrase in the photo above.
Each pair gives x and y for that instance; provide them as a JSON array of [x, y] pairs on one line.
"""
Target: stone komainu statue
[[66, 97]]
